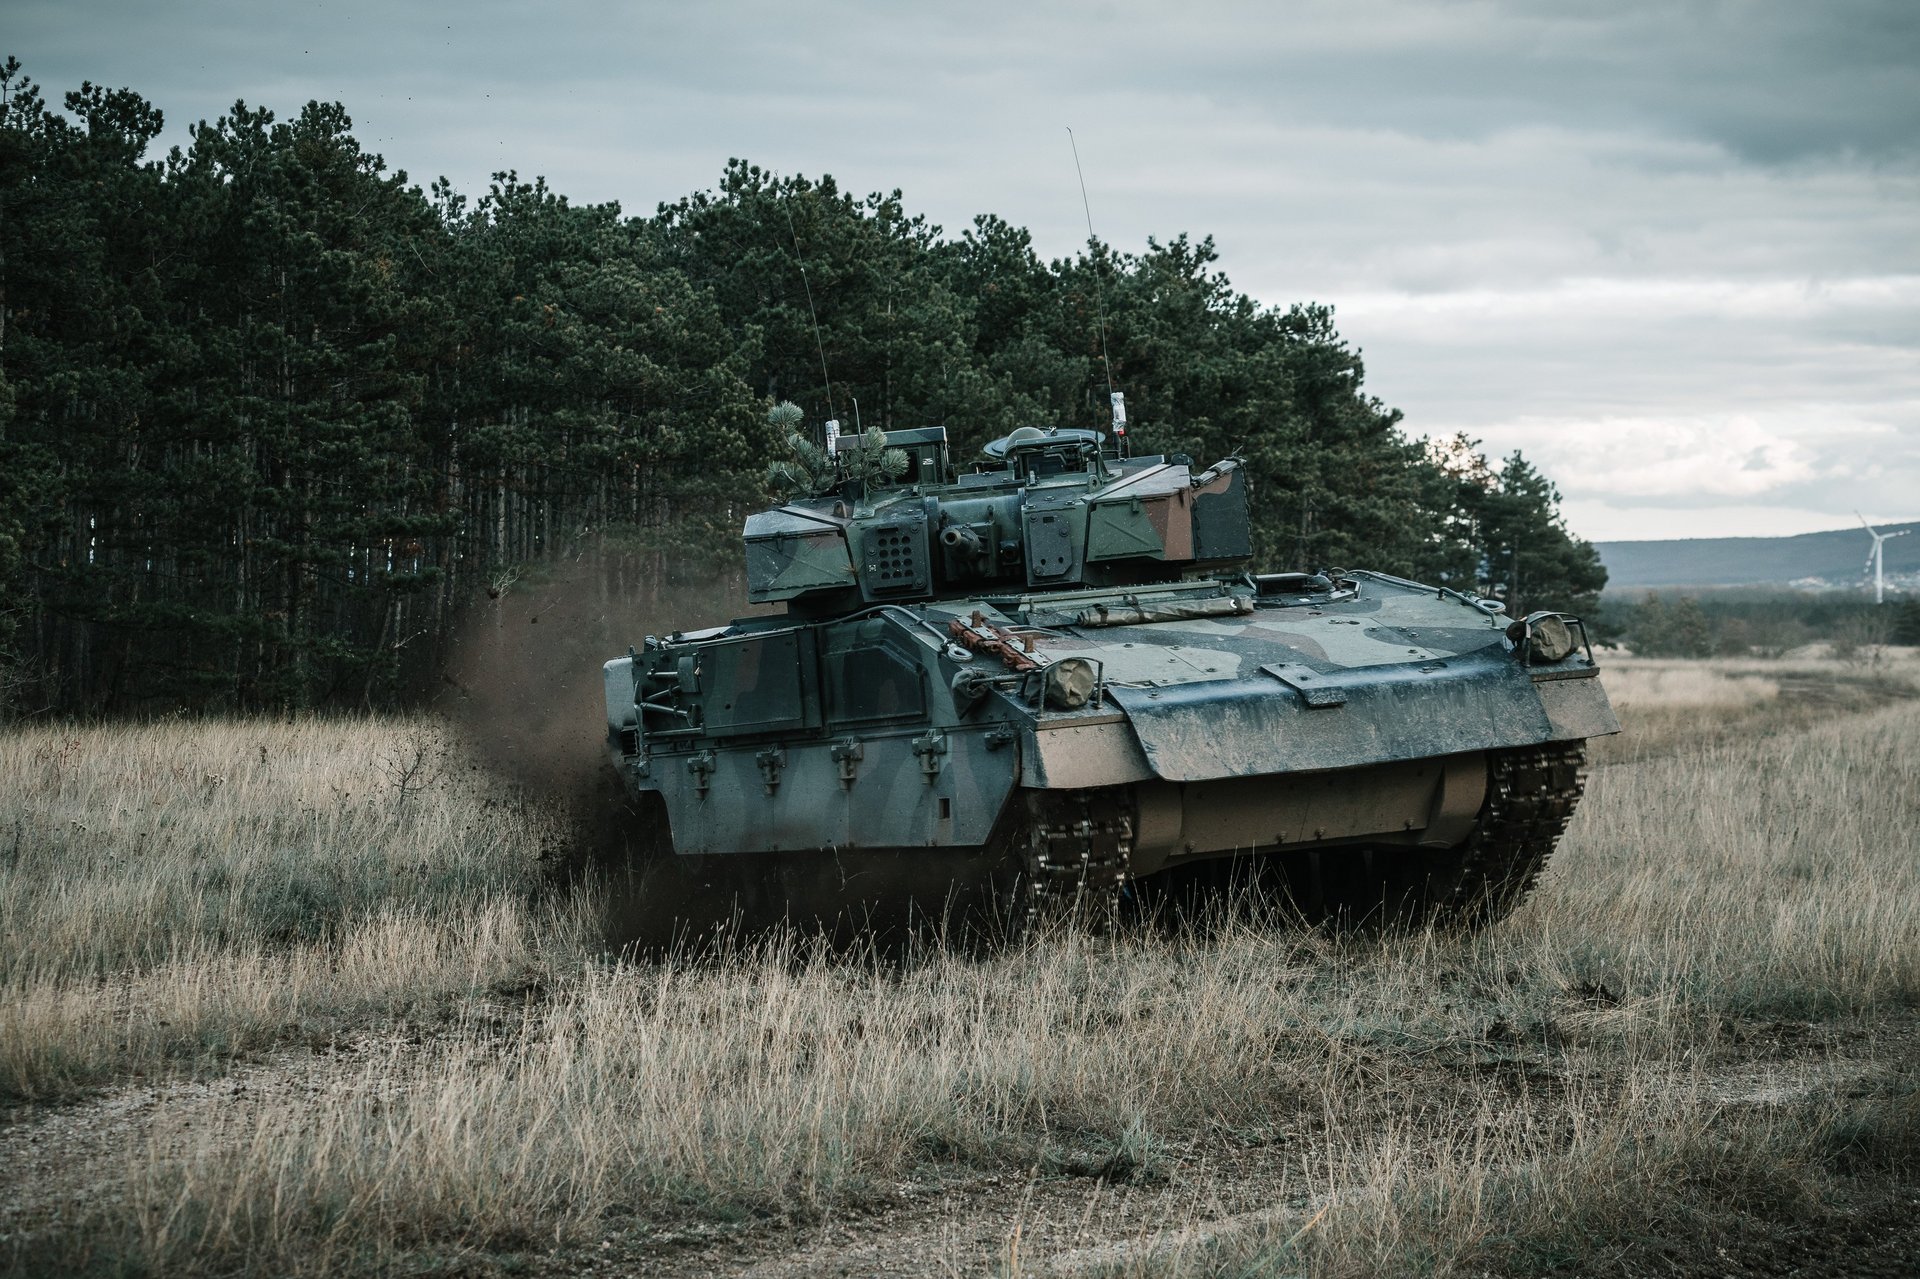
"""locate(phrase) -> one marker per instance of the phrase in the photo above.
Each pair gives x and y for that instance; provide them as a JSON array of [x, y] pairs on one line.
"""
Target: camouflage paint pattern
[[904, 699]]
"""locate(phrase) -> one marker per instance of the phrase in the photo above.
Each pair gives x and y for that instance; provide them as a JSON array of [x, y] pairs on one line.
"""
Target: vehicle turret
[[1042, 509]]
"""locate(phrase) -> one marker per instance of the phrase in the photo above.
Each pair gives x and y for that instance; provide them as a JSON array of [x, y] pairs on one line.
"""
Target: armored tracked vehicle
[[1050, 680]]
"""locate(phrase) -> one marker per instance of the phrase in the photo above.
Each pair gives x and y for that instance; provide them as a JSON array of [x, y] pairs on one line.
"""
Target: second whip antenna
[[1099, 298]]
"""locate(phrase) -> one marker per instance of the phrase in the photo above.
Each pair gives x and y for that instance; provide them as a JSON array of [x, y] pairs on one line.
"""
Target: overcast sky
[[1669, 250]]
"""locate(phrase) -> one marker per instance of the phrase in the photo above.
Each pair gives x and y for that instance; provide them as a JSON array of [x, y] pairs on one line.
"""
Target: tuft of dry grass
[[1597, 1178], [1669, 704], [1770, 873], [174, 890]]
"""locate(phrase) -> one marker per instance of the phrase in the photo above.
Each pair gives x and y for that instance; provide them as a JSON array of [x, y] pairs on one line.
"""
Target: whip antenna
[[1114, 397], [786, 207]]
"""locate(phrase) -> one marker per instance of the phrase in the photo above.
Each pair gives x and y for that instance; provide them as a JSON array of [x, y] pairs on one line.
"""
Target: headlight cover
[[1542, 637]]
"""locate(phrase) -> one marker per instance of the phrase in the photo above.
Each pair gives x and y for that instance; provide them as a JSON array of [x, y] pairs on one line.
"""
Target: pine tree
[[1906, 624], [270, 415], [808, 470], [1680, 629]]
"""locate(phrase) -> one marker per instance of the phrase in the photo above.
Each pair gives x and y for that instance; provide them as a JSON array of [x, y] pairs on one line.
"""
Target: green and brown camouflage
[[1052, 512], [1054, 675]]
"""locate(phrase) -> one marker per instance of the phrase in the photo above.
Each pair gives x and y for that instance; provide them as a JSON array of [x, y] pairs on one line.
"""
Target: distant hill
[[1831, 560]]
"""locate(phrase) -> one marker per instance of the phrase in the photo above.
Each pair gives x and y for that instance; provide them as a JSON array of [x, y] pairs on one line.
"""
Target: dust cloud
[[523, 690], [523, 683]]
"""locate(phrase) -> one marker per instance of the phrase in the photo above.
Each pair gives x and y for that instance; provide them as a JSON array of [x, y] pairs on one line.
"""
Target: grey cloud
[[1685, 178]]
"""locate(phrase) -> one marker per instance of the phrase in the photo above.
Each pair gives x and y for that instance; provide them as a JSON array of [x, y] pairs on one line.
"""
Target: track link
[[1531, 792], [1078, 857]]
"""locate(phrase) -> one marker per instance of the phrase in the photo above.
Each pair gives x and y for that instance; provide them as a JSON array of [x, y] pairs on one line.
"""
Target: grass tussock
[[1575, 1085], [770, 1085], [180, 890], [1675, 704], [1644, 1179], [1773, 873], [784, 1085]]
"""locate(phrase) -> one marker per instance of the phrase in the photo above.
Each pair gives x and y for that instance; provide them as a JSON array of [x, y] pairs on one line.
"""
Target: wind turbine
[[1874, 560]]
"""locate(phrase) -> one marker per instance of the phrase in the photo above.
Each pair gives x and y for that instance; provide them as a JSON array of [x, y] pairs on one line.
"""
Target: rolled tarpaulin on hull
[[1136, 613]]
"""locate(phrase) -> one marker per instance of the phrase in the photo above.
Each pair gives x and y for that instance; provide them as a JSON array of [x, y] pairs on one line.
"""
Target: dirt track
[[1091, 1220]]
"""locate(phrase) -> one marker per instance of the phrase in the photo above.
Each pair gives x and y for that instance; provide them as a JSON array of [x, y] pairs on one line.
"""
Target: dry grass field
[[297, 998]]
